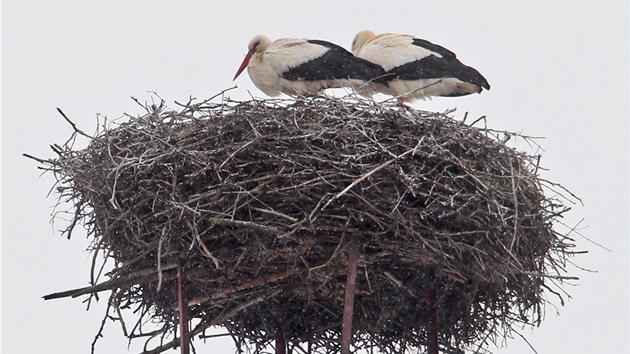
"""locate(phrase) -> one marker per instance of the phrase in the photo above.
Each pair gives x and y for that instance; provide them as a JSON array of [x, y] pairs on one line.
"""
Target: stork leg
[[300, 102], [184, 336], [401, 104], [348, 305]]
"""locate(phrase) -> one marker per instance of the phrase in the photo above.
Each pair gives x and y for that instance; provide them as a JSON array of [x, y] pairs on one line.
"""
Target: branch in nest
[[74, 126], [249, 285], [140, 277], [204, 325]]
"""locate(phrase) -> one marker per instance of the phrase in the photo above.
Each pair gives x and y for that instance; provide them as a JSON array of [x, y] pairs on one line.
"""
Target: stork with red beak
[[299, 67], [417, 68]]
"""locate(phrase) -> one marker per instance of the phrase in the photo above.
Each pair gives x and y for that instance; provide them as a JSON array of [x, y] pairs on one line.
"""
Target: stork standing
[[416, 68], [300, 67]]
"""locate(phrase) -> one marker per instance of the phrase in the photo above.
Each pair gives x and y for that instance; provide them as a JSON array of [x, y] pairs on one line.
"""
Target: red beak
[[243, 65]]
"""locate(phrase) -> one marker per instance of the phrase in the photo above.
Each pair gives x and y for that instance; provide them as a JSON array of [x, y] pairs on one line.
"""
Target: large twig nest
[[257, 199]]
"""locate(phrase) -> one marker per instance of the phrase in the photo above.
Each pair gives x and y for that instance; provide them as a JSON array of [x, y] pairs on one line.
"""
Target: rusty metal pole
[[281, 340], [348, 304], [182, 298], [432, 320]]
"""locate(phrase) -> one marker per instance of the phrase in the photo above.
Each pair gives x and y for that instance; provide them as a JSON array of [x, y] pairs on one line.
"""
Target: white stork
[[300, 67], [416, 68]]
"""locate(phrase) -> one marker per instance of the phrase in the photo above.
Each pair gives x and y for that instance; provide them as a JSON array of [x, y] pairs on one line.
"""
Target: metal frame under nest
[[253, 205]]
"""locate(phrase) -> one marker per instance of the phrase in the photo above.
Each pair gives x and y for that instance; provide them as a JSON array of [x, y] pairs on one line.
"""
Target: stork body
[[417, 68], [300, 67]]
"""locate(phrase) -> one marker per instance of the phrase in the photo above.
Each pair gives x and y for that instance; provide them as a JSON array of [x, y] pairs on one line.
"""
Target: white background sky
[[558, 69]]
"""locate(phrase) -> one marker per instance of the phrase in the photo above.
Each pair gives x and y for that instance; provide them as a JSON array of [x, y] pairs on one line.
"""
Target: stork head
[[257, 45], [360, 39]]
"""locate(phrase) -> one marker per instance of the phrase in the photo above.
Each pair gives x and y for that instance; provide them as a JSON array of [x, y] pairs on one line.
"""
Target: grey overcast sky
[[558, 70]]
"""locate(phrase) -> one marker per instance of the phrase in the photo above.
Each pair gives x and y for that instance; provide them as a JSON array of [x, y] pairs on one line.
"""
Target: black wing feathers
[[335, 64], [433, 47], [434, 67]]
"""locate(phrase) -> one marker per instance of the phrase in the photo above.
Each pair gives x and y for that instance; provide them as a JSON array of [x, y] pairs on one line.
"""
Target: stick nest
[[258, 199]]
